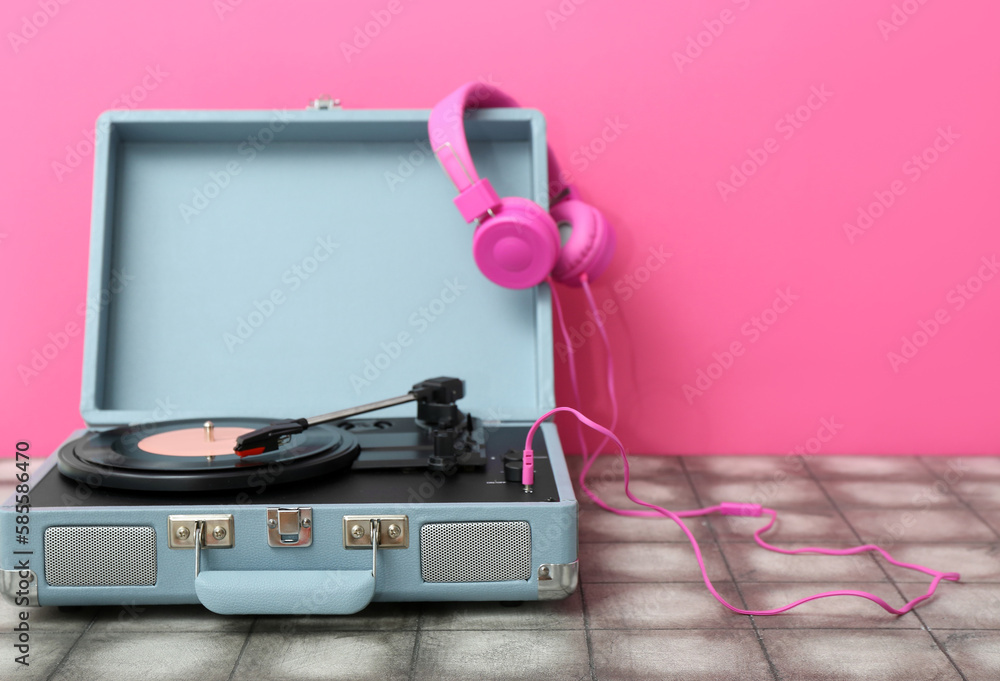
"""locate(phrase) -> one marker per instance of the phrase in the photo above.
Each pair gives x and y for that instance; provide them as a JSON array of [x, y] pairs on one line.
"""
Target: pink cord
[[572, 361], [609, 369], [754, 510]]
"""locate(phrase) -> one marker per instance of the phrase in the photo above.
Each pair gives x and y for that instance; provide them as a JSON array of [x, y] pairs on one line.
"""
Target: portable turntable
[[269, 266]]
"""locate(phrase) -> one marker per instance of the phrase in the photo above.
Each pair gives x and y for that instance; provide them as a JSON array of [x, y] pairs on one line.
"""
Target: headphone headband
[[447, 135], [517, 243]]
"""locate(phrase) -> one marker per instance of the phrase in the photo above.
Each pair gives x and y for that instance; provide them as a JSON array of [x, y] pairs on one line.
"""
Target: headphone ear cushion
[[591, 242], [518, 246]]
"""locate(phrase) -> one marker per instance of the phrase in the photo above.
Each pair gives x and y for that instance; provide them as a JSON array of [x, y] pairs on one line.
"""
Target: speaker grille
[[100, 556], [475, 552]]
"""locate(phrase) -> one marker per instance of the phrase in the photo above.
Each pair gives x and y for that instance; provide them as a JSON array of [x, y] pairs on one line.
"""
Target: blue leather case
[[287, 263]]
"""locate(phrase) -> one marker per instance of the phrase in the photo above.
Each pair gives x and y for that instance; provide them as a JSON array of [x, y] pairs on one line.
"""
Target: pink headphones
[[517, 243]]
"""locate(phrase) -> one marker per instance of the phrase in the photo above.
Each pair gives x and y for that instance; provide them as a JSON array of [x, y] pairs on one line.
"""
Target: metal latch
[[217, 531], [325, 102], [393, 531], [287, 527], [200, 532]]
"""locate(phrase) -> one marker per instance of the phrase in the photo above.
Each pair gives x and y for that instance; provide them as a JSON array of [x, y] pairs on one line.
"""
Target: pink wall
[[829, 109]]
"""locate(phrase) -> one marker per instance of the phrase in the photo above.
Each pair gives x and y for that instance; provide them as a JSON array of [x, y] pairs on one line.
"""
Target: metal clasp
[[218, 531], [393, 531], [325, 102], [289, 527]]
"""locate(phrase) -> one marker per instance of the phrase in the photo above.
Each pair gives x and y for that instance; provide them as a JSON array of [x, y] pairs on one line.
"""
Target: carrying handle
[[286, 592]]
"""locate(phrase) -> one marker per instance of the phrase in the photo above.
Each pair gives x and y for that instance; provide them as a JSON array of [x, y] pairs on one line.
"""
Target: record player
[[249, 270]]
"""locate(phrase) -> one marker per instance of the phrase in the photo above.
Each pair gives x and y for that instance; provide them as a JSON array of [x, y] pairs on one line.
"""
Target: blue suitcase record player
[[252, 267]]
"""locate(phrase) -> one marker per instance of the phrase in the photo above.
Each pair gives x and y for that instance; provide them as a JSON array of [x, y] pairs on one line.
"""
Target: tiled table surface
[[641, 611]]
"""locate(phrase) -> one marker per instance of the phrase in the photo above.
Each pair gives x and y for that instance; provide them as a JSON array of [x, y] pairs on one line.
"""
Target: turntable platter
[[183, 456]]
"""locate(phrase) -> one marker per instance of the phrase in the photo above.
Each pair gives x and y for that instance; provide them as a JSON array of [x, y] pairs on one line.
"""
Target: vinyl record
[[168, 457]]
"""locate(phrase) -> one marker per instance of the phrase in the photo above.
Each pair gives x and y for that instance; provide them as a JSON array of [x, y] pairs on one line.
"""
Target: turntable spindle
[[207, 439]]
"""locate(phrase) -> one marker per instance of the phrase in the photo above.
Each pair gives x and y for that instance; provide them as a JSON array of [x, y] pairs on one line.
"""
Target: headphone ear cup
[[518, 246], [590, 246]]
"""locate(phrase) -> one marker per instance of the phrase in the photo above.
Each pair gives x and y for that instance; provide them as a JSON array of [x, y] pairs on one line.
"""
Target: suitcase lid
[[283, 264]]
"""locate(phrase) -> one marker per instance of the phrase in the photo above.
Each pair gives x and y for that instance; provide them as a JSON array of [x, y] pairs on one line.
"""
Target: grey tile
[[327, 655], [746, 467], [752, 563], [490, 615], [641, 562], [817, 526], [376, 617], [646, 467], [981, 494], [976, 467], [45, 650], [651, 466], [958, 606], [682, 655], [172, 618], [842, 612], [787, 493], [661, 606], [868, 467], [860, 654], [598, 525], [503, 655], [9, 472], [47, 619], [890, 527], [975, 562], [205, 656], [991, 517], [977, 653], [673, 495], [574, 462], [909, 494]]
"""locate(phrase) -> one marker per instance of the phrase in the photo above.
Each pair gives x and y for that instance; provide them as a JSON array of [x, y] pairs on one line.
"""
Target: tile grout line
[[416, 643], [732, 576], [778, 629], [586, 631], [583, 596], [959, 497], [62, 661], [574, 477], [885, 572], [609, 628], [968, 505], [243, 648]]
